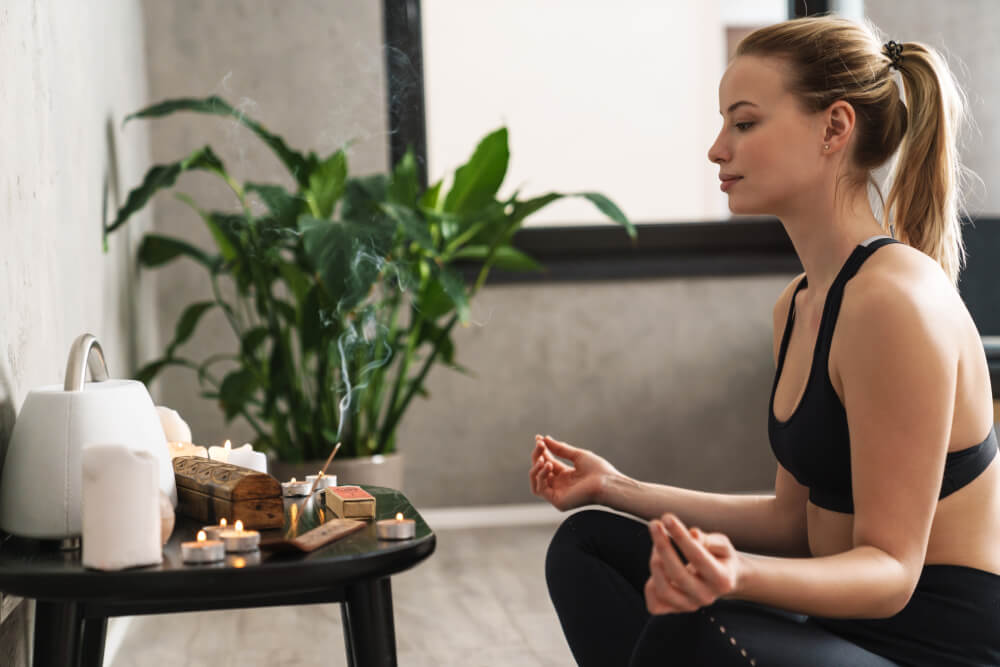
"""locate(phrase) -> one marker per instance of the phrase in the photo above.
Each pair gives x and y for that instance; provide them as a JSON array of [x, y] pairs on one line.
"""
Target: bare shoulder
[[899, 292]]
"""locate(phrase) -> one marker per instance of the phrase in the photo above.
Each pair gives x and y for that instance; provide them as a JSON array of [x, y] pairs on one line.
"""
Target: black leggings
[[598, 564]]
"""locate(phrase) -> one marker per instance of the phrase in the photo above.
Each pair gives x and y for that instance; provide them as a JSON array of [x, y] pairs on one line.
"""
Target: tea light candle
[[396, 529], [237, 539], [293, 488], [221, 453], [246, 457], [186, 449], [323, 480], [203, 550], [213, 531]]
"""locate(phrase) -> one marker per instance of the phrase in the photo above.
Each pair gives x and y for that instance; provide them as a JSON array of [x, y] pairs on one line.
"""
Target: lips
[[727, 181]]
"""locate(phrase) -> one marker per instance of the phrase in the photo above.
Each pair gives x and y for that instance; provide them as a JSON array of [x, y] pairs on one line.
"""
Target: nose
[[718, 152]]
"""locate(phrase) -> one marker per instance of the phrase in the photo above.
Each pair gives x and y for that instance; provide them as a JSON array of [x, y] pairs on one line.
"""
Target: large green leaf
[[219, 225], [454, 287], [404, 186], [608, 208], [506, 257], [326, 185], [283, 205], [413, 226], [157, 250], [299, 166], [187, 323], [363, 195], [147, 373], [348, 256], [164, 176], [253, 339], [477, 181], [236, 391]]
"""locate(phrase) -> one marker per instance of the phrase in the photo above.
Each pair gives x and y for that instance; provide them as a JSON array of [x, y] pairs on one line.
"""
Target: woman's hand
[[712, 571], [566, 486]]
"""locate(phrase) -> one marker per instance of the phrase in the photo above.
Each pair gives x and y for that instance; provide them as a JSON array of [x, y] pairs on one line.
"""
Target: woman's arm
[[898, 370], [770, 524]]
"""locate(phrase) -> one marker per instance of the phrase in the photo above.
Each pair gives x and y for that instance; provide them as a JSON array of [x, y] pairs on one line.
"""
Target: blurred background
[[656, 355]]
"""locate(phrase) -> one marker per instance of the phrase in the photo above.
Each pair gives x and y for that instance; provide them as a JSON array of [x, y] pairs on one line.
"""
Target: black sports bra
[[814, 443]]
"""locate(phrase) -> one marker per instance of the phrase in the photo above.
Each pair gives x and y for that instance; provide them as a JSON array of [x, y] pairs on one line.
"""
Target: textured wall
[[667, 377], [71, 71]]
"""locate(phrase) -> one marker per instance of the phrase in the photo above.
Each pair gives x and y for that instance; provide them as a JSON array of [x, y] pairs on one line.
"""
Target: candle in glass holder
[[213, 531], [294, 488], [322, 480], [396, 529], [238, 539], [202, 550]]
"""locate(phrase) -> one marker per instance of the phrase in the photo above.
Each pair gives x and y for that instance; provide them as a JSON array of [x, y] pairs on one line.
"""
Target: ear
[[839, 118]]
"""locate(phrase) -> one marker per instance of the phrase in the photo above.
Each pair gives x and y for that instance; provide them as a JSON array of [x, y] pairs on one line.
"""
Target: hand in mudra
[[566, 485]]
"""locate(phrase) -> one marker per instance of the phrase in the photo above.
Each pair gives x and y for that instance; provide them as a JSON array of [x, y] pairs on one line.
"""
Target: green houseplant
[[344, 292]]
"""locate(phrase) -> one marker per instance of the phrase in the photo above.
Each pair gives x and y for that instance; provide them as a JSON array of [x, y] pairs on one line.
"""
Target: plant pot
[[379, 470]]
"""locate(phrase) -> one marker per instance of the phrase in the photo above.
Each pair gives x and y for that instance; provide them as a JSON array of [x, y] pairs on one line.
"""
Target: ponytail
[[923, 207]]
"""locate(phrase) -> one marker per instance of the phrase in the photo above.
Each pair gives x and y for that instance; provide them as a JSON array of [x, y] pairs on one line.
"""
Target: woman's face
[[769, 150]]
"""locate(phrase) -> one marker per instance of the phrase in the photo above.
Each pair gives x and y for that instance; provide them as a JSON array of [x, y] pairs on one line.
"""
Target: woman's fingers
[[562, 449], [708, 567], [693, 589]]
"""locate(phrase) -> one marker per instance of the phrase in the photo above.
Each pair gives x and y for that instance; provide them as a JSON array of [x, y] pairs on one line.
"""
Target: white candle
[[238, 539], [120, 507], [185, 449], [220, 453], [174, 428], [324, 480], [246, 457], [396, 529], [293, 488], [213, 531], [202, 550]]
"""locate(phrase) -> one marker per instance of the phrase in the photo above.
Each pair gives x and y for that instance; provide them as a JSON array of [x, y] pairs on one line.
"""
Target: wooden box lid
[[223, 480]]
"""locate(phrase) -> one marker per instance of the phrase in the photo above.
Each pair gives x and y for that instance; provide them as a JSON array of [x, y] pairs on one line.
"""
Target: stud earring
[[826, 147]]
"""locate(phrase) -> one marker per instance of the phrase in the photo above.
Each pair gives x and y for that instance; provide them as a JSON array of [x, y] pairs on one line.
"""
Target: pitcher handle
[[85, 352]]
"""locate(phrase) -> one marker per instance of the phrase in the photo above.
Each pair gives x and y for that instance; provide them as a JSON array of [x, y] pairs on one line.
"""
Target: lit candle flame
[[399, 516], [201, 536], [239, 561], [239, 526], [293, 480], [222, 522], [228, 445]]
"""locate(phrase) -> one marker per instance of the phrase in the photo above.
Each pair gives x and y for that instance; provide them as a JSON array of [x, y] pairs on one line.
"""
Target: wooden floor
[[479, 600]]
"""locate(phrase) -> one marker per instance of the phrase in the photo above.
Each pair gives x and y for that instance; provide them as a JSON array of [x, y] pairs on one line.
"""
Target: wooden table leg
[[94, 631], [57, 634], [372, 635]]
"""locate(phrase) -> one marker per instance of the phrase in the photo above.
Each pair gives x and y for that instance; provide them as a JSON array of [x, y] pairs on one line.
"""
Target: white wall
[[71, 72]]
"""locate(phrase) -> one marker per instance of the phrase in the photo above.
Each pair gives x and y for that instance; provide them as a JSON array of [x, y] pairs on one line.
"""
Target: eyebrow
[[736, 105]]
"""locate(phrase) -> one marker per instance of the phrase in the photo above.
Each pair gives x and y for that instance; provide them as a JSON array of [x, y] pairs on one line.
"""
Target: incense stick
[[323, 471]]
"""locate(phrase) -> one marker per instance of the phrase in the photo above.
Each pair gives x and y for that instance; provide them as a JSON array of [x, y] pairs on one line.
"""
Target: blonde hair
[[834, 59]]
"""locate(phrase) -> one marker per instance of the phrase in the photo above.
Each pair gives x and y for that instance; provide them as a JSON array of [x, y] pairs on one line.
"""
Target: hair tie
[[895, 52]]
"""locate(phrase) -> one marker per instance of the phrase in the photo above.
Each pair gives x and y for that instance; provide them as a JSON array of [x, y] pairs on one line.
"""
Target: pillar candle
[[120, 508], [246, 457]]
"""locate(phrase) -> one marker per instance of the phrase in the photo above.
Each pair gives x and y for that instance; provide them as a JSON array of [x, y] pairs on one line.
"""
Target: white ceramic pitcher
[[40, 487]]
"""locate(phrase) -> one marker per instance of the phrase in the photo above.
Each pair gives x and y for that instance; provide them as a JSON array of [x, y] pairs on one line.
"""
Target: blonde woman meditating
[[881, 542]]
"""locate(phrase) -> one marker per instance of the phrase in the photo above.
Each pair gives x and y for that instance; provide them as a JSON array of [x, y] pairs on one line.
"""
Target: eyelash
[[743, 127]]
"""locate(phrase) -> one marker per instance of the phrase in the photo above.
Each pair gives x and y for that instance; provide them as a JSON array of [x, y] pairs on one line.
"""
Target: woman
[[881, 542]]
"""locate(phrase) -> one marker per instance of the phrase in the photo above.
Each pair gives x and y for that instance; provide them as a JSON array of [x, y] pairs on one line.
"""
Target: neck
[[825, 231]]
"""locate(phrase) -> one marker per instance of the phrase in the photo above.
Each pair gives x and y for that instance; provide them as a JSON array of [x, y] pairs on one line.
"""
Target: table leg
[[348, 643], [94, 631], [57, 634], [369, 617]]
